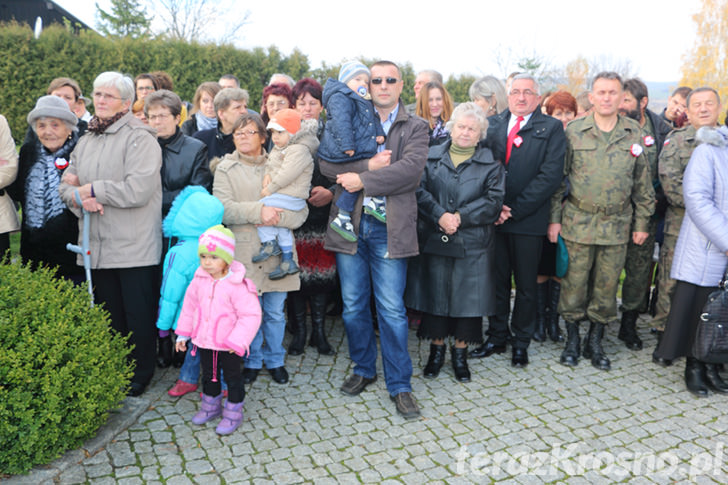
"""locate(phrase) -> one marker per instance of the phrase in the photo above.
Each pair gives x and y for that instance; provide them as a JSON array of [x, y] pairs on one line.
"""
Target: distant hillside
[[659, 91]]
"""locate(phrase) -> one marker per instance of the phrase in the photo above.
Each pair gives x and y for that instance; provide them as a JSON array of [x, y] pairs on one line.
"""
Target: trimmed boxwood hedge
[[61, 369]]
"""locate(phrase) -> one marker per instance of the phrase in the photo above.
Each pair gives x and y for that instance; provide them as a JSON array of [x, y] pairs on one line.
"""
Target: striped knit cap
[[218, 240]]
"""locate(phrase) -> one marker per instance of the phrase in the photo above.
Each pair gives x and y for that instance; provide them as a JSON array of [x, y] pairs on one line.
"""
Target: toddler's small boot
[[232, 416], [210, 408]]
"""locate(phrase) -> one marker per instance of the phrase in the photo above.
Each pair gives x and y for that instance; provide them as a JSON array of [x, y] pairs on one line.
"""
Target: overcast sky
[[466, 37]]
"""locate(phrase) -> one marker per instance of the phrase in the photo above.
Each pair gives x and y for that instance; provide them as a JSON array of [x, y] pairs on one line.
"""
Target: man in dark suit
[[532, 146]]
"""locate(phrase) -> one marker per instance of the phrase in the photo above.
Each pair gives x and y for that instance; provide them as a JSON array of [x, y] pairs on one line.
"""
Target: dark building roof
[[27, 11]]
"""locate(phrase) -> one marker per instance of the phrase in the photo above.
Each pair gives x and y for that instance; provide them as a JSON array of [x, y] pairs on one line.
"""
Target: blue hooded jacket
[[351, 124], [193, 211]]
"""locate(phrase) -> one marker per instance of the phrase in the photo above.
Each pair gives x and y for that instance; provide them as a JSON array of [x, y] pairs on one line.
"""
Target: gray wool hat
[[51, 107]]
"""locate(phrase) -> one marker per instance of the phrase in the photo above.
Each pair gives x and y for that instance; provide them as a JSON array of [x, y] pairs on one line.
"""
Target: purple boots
[[232, 416], [211, 407]]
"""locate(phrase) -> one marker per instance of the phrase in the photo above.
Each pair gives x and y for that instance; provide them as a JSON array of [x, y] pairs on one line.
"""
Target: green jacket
[[609, 183], [673, 161]]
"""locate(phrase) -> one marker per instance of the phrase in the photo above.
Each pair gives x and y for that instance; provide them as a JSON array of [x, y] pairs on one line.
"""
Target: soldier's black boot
[[297, 322], [435, 361], [570, 355], [318, 320], [552, 321], [695, 379], [593, 347], [542, 289], [460, 363], [628, 330]]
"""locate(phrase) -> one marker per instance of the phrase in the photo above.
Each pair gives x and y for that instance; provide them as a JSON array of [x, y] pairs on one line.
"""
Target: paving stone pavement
[[546, 423]]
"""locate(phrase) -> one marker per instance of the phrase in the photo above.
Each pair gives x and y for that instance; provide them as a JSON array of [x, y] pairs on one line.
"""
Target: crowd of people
[[208, 220]]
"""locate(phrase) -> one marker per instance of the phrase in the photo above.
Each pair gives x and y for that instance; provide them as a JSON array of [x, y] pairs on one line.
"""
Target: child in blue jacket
[[352, 132], [192, 212]]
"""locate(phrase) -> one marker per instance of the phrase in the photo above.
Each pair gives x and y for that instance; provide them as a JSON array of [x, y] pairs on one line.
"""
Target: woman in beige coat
[[238, 180], [8, 171], [115, 169]]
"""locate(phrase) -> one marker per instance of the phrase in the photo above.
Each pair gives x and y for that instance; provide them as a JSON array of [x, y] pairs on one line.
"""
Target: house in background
[[38, 14]]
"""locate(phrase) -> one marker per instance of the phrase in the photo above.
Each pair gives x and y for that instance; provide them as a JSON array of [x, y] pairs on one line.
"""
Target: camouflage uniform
[[673, 161], [605, 179], [638, 261]]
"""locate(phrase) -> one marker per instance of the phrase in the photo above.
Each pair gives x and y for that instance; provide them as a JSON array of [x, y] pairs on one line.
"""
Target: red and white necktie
[[512, 136]]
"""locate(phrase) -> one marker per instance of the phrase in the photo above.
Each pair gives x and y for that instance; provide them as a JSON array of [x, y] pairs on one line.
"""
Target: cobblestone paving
[[545, 423]]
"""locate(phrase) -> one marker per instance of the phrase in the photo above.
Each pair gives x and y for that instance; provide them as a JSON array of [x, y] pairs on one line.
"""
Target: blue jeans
[[357, 273], [267, 346], [190, 370]]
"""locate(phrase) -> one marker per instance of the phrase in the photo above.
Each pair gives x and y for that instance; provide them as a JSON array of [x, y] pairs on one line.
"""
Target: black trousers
[[131, 296], [212, 362], [519, 255], [682, 322]]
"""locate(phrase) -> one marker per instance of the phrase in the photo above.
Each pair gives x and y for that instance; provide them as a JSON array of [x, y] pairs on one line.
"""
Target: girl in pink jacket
[[221, 314]]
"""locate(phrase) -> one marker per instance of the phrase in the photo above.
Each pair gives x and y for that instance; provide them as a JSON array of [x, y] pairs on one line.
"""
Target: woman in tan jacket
[[238, 180], [115, 169], [8, 171]]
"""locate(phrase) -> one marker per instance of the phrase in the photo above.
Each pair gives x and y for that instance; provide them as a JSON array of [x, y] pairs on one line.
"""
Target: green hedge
[[28, 65], [61, 369]]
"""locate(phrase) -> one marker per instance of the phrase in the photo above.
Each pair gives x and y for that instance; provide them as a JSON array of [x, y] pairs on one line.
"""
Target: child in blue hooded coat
[[193, 211]]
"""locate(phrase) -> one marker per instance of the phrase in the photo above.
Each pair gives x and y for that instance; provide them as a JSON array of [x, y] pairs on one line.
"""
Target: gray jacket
[[700, 253], [123, 165]]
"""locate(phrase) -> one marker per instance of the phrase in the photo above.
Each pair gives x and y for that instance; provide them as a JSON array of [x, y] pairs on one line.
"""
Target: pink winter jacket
[[221, 314]]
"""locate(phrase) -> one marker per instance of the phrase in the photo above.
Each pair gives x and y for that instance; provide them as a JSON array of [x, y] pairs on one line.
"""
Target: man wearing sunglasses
[[377, 261]]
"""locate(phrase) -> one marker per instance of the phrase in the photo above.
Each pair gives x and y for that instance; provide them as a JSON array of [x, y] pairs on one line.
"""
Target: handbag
[[442, 244], [562, 258], [711, 336]]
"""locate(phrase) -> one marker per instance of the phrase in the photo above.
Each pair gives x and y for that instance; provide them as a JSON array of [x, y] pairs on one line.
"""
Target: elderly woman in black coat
[[184, 163], [459, 199]]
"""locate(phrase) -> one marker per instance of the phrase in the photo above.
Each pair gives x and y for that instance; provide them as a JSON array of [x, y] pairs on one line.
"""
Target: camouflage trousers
[[589, 289], [665, 284], [637, 271]]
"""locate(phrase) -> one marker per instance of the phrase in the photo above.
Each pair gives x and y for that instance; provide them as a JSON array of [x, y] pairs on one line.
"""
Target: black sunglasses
[[390, 80]]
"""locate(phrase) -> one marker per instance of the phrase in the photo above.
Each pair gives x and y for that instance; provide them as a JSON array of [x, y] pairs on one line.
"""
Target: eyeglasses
[[159, 117], [389, 80], [145, 88], [105, 96], [245, 133], [272, 104], [525, 92]]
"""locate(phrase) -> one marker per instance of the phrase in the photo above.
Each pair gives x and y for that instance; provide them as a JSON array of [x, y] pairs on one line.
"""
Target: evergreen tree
[[126, 19]]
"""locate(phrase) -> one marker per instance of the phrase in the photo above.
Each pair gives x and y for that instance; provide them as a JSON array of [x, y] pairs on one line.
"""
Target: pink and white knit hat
[[218, 240]]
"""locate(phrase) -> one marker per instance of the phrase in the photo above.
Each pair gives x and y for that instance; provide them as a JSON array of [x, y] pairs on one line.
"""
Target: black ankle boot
[[713, 379], [435, 361], [593, 347], [695, 378], [570, 355], [552, 322], [297, 322], [542, 289], [459, 359], [628, 330], [655, 357], [318, 320], [164, 353]]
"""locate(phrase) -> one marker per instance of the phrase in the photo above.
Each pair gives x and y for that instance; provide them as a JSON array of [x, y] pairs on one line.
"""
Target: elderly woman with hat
[[48, 224]]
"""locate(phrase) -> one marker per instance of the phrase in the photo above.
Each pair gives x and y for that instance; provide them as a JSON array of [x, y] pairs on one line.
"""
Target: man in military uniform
[[703, 108], [638, 263], [674, 113], [609, 180]]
